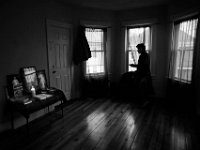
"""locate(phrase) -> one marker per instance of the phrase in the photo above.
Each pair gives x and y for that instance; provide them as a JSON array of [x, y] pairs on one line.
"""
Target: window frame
[[172, 71], [104, 29], [127, 45]]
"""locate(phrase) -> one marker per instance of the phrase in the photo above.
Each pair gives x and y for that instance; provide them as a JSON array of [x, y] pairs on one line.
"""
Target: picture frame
[[29, 77], [14, 85], [42, 80]]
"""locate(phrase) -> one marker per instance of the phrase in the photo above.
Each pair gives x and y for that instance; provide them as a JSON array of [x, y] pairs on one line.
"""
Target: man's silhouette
[[143, 66]]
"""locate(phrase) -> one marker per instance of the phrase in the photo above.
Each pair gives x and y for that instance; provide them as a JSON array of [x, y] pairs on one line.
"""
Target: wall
[[197, 72]]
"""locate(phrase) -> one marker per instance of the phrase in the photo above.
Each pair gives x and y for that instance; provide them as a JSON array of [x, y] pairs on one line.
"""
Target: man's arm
[[133, 65]]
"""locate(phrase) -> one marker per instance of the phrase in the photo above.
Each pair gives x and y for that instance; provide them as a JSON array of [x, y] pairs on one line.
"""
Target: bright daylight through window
[[95, 38], [136, 35], [182, 50]]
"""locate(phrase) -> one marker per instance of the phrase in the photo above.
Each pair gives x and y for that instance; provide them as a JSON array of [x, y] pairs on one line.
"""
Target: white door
[[59, 38]]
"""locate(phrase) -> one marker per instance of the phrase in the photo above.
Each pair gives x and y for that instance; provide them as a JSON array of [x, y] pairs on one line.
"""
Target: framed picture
[[29, 76], [42, 80], [15, 86]]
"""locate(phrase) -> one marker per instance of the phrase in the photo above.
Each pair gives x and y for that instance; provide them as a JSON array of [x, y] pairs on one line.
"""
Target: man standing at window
[[143, 66], [142, 76]]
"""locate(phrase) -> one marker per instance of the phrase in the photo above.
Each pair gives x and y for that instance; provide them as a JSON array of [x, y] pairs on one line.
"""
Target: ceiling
[[116, 4]]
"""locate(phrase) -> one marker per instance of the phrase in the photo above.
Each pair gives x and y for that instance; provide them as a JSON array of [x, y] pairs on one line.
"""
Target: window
[[136, 35], [96, 41], [184, 35]]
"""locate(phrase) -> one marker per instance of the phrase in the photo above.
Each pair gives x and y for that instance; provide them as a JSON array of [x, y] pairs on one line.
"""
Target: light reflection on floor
[[96, 131], [130, 126], [178, 139]]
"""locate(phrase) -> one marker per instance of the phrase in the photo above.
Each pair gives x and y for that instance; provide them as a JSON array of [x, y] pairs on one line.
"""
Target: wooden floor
[[107, 124]]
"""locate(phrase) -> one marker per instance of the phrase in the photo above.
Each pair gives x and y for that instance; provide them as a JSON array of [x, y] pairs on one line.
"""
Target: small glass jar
[[33, 91]]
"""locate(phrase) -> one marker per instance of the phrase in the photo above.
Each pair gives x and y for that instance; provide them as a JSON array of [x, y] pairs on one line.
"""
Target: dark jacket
[[143, 68]]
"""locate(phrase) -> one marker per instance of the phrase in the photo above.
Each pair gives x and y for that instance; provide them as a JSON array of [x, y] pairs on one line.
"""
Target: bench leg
[[62, 107], [27, 125], [12, 120]]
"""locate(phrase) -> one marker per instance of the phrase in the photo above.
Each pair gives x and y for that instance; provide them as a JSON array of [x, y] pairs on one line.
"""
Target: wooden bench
[[28, 104]]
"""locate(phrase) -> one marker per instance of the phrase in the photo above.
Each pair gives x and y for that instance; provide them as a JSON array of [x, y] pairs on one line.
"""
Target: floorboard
[[107, 124]]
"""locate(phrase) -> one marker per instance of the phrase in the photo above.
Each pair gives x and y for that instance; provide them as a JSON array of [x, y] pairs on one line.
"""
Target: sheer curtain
[[183, 41], [96, 74], [180, 82], [96, 64]]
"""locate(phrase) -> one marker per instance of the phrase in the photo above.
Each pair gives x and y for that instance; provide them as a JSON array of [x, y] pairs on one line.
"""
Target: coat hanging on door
[[82, 50]]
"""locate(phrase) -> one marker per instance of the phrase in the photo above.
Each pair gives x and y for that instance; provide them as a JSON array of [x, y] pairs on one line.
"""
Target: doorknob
[[54, 71]]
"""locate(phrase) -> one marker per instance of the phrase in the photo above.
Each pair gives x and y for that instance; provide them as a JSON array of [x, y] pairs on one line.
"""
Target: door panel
[[59, 55]]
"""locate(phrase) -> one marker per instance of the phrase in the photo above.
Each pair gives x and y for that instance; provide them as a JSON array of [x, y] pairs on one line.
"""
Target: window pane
[[136, 36], [130, 59], [96, 42], [185, 34]]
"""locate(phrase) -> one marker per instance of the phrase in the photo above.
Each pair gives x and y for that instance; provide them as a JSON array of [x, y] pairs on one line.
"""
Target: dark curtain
[[81, 48]]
